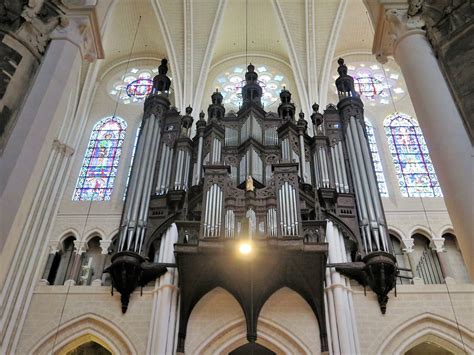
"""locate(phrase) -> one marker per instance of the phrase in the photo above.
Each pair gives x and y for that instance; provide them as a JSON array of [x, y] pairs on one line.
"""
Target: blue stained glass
[[376, 159], [415, 172], [99, 167]]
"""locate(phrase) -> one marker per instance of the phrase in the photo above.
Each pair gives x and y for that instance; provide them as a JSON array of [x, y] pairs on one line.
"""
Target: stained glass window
[[376, 159], [375, 84], [100, 164], [415, 172], [230, 85], [134, 86]]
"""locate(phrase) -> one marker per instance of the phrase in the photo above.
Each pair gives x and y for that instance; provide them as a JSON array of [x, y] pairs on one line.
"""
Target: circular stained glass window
[[134, 86], [139, 88], [230, 85], [375, 84], [368, 86]]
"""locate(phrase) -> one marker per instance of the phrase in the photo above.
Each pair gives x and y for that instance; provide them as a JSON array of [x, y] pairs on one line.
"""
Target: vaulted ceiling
[[300, 37]]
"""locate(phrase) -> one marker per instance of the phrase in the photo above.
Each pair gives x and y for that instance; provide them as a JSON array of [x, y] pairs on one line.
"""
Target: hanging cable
[[93, 195], [246, 32]]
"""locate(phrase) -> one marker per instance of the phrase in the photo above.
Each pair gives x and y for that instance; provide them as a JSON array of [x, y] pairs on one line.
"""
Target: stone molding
[[394, 24], [80, 27], [63, 148]]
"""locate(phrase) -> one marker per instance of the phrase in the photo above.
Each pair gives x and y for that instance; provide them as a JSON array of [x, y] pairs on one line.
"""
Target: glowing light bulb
[[245, 248]]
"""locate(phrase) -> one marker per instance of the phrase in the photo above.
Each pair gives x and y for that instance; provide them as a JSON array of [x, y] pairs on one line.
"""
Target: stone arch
[[416, 330], [92, 336], [78, 330], [217, 309], [93, 233], [422, 230], [396, 232], [270, 335], [70, 232], [447, 228]]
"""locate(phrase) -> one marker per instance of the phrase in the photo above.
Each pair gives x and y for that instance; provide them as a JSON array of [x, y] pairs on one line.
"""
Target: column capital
[[397, 19], [408, 245], [104, 245], [80, 246], [438, 244], [53, 246], [80, 26]]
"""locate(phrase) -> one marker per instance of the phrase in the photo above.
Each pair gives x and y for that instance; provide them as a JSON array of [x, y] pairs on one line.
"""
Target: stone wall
[[94, 309], [415, 310]]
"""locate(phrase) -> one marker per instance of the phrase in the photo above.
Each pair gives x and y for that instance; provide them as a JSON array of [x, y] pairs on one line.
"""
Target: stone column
[[34, 172], [408, 249], [438, 244], [402, 36], [162, 337]]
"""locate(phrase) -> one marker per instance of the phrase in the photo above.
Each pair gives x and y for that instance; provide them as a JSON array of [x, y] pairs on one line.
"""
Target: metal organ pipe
[[373, 185], [145, 202], [325, 166], [343, 165], [199, 161], [365, 183], [334, 169], [339, 162], [361, 201], [140, 183], [132, 189], [302, 159], [282, 225]]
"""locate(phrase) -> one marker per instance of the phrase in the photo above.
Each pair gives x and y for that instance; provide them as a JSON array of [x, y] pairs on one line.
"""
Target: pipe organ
[[260, 177]]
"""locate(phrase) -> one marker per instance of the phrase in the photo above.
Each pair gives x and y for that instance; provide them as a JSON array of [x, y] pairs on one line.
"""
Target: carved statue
[[249, 184]]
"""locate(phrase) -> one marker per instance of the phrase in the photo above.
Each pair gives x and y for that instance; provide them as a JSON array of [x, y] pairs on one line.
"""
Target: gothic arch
[[447, 228], [270, 335], [416, 330], [70, 232], [94, 233], [274, 330], [422, 230], [397, 233], [82, 329]]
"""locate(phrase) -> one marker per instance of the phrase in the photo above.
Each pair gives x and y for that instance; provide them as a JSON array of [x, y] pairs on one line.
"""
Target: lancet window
[[415, 171], [101, 160]]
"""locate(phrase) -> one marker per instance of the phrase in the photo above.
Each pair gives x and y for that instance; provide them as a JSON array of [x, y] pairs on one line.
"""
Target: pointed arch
[[415, 171], [410, 332], [99, 167], [78, 330]]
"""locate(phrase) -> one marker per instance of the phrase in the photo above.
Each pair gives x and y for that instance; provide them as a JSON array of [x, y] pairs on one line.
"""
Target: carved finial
[[285, 96], [301, 114], [316, 117], [163, 68], [189, 110], [201, 115], [345, 82], [161, 82], [216, 97]]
